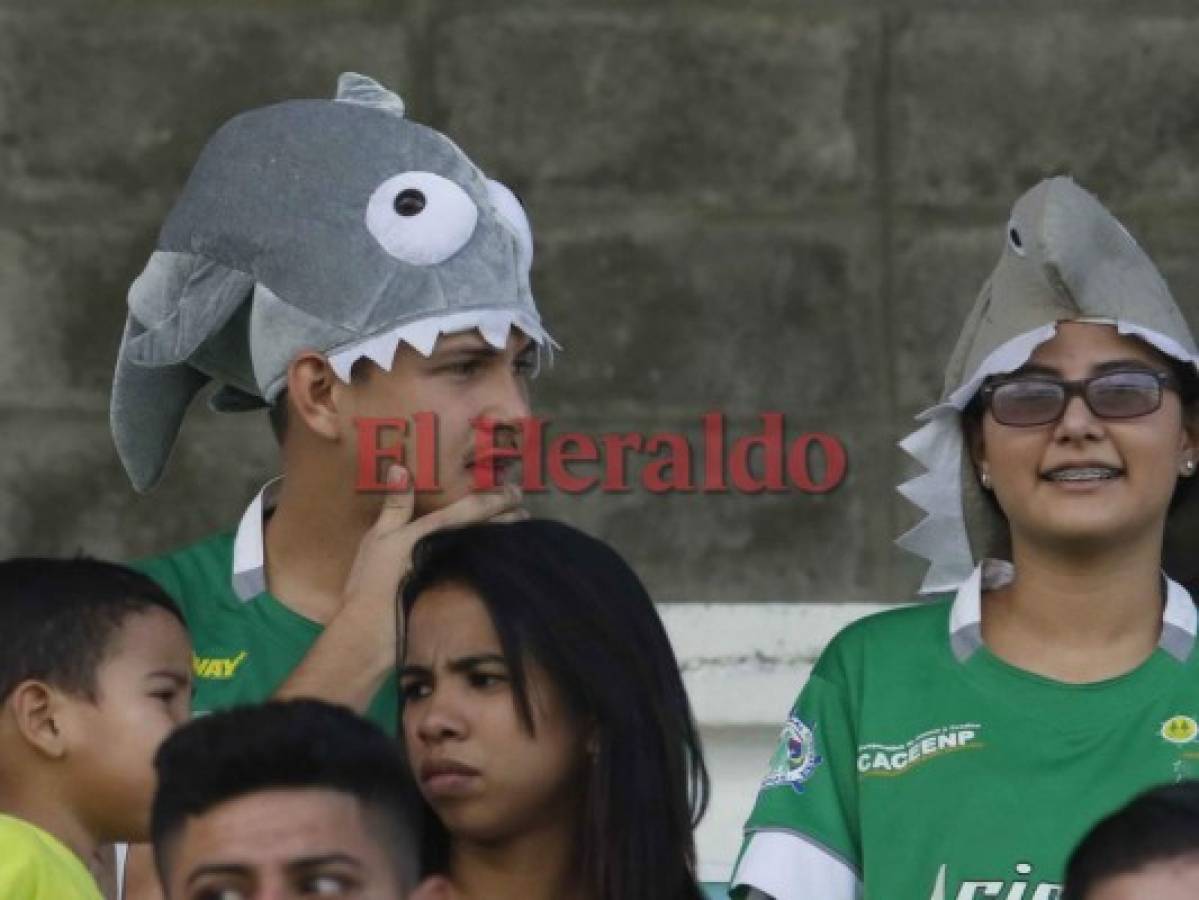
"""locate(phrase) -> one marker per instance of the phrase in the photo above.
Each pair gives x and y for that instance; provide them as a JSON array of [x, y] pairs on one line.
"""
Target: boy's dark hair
[[277, 746], [568, 602], [59, 616], [1160, 825]]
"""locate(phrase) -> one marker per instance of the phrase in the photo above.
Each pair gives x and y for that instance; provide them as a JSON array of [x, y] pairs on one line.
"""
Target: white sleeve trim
[[122, 857], [783, 865]]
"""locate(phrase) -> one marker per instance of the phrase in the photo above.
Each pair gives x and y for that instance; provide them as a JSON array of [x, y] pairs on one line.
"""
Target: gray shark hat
[[1065, 257], [331, 225]]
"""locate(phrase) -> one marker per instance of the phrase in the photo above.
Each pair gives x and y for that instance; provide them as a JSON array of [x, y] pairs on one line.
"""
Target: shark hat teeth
[[1065, 258], [493, 325]]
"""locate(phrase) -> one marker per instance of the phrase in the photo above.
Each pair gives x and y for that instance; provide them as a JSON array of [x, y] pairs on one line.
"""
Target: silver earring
[[1188, 468], [984, 478]]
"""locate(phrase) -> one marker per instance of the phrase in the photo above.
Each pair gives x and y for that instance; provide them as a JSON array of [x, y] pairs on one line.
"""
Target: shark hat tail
[[176, 305]]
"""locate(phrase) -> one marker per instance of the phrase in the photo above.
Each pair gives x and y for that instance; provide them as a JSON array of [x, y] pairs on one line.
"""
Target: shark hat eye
[[421, 218], [410, 202], [1014, 240]]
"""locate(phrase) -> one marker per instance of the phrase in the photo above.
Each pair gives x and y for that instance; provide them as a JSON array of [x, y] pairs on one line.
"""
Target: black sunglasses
[[1038, 400]]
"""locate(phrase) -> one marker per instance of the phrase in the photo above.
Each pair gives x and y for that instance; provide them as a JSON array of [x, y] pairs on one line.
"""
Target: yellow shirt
[[35, 865]]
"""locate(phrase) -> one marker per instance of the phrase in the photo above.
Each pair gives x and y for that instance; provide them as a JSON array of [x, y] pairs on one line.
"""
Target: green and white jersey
[[916, 764], [246, 642]]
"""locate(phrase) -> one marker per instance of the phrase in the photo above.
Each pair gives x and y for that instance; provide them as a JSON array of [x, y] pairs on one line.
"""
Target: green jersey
[[245, 641], [916, 764]]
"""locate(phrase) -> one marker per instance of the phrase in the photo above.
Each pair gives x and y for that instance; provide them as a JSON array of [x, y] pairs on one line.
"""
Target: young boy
[[95, 670], [336, 263], [286, 800]]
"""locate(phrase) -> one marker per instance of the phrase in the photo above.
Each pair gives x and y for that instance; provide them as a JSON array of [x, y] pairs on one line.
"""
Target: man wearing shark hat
[[336, 262], [959, 748]]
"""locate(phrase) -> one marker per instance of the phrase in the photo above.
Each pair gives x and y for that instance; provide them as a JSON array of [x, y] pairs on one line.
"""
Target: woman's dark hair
[[570, 603], [1188, 393], [1160, 825]]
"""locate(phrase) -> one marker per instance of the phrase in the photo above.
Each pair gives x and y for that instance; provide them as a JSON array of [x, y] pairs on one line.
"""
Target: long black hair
[[1161, 825], [569, 602]]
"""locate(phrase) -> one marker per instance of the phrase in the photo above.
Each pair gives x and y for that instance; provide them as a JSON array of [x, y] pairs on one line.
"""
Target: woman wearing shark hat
[[960, 748]]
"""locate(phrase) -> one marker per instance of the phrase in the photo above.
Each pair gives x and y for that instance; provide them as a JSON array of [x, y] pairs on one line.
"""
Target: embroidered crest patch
[[796, 758]]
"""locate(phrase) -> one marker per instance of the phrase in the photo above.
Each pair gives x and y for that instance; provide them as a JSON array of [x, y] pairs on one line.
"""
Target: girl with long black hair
[[546, 720]]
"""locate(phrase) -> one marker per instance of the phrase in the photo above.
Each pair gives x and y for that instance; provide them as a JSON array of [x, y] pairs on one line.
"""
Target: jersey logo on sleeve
[[796, 758], [216, 668]]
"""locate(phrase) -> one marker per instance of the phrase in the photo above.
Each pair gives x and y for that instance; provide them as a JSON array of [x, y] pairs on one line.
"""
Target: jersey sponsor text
[[894, 759], [1022, 888], [217, 668]]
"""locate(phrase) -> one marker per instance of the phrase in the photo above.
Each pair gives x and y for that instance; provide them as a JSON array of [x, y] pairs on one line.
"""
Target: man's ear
[[313, 392], [38, 710]]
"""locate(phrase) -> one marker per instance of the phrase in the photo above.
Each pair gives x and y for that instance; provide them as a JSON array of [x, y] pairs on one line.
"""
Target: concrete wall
[[755, 206]]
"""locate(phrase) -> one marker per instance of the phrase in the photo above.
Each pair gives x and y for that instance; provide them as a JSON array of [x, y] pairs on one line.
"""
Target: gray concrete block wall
[[763, 206]]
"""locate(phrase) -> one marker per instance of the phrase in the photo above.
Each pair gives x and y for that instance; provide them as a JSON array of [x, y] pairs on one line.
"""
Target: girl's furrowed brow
[[466, 663], [461, 664]]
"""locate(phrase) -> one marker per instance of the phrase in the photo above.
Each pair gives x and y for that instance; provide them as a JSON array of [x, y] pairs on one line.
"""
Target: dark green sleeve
[[811, 788]]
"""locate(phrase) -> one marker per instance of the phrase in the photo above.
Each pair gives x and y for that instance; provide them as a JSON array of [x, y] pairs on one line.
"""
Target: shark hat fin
[[355, 88]]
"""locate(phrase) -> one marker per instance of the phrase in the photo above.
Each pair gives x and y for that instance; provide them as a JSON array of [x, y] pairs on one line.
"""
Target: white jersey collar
[[1179, 618], [249, 556]]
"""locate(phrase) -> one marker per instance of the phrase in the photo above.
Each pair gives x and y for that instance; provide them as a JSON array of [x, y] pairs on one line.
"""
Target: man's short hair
[[280, 745], [59, 616]]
